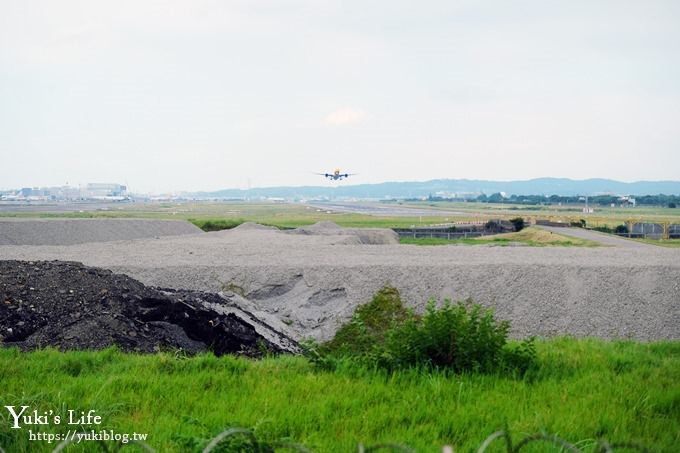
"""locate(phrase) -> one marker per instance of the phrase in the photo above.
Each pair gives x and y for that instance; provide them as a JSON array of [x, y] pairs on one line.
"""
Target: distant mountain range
[[452, 187]]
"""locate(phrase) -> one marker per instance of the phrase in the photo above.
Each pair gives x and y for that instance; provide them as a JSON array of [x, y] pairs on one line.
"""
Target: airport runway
[[58, 207], [383, 210]]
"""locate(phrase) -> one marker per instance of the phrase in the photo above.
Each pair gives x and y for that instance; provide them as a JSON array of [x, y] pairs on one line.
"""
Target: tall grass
[[582, 390]]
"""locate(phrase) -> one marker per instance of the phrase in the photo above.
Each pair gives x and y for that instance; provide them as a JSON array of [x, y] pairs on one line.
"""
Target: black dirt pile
[[67, 305]]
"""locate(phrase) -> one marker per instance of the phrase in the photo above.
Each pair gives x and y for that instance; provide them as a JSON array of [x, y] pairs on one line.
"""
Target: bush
[[369, 324], [603, 229], [618, 229], [518, 223], [497, 226], [220, 224], [581, 223], [621, 229], [459, 336], [216, 224]]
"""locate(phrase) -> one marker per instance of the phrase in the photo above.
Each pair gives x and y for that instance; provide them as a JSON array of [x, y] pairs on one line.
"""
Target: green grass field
[[297, 214], [285, 215], [582, 391]]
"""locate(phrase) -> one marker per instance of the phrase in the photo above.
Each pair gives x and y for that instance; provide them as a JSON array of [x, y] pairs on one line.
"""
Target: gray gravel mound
[[323, 226], [375, 236], [313, 283], [253, 226], [80, 231]]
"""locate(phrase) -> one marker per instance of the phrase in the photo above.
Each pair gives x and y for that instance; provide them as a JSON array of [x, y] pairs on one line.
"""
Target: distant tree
[[604, 200], [672, 205], [482, 198], [496, 198]]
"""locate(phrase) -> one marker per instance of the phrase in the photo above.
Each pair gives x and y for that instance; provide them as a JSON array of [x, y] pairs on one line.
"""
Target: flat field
[[279, 214], [298, 214]]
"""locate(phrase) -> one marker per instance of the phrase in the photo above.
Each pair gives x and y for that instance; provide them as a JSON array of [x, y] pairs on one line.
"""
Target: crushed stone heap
[[70, 306], [81, 231]]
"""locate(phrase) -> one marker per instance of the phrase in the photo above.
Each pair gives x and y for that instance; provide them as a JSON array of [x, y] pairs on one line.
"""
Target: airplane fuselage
[[336, 175]]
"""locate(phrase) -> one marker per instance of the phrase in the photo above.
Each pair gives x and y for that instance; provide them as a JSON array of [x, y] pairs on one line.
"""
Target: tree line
[[671, 201]]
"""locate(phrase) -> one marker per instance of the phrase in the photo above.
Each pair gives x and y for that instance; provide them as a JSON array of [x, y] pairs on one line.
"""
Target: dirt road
[[596, 236]]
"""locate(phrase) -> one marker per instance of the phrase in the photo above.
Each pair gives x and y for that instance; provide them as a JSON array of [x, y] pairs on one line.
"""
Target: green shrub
[[216, 224], [518, 223], [459, 336], [581, 223], [621, 229], [369, 324], [603, 229], [617, 229], [222, 224]]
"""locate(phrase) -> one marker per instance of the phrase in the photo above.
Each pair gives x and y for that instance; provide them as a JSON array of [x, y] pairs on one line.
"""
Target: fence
[[457, 231], [551, 223], [420, 233], [659, 230]]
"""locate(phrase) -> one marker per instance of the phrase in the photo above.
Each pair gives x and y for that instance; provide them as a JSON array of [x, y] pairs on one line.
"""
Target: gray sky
[[181, 95]]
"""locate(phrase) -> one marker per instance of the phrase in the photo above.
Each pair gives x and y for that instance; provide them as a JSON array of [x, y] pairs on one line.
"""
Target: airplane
[[336, 175]]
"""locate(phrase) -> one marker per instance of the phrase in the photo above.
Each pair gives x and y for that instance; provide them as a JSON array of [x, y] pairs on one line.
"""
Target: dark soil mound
[[70, 306]]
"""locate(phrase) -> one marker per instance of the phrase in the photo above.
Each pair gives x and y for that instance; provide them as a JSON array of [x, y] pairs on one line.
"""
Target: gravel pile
[[70, 306], [375, 236], [247, 226], [79, 231], [312, 283]]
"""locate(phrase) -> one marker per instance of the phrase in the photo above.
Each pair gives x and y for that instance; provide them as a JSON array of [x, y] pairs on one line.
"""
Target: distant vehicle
[[336, 175]]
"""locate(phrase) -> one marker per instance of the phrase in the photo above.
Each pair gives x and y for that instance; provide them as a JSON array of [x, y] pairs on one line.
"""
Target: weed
[[459, 336]]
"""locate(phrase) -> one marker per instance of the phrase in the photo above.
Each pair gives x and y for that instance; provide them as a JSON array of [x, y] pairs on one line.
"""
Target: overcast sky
[[171, 95]]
